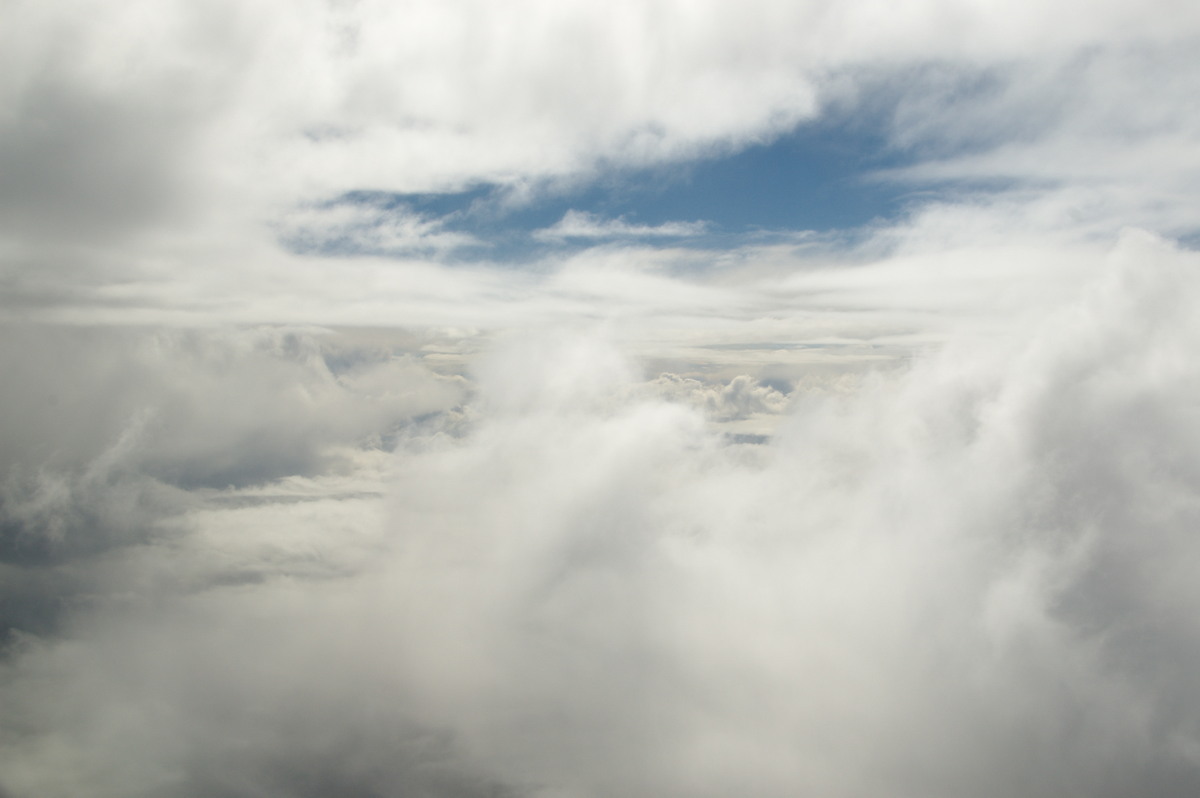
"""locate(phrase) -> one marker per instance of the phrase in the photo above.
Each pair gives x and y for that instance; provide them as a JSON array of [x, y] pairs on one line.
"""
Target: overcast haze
[[599, 400]]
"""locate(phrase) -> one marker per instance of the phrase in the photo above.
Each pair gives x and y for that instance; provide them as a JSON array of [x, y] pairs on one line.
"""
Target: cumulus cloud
[[743, 396], [972, 576]]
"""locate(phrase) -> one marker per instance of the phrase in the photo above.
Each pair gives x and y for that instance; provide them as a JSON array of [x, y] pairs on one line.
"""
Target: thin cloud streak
[[580, 224]]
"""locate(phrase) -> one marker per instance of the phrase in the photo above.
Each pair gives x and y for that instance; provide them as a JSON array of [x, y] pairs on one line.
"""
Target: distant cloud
[[110, 434], [581, 224], [367, 228], [741, 398]]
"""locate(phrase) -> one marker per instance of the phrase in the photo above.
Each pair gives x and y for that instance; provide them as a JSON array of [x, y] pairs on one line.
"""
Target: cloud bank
[[974, 575]]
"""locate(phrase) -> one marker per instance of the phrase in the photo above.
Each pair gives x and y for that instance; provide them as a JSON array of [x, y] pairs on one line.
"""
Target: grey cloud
[[175, 403], [108, 432], [109, 112], [86, 165]]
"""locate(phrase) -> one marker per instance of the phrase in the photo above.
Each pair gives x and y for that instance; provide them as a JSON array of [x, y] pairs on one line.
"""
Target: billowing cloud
[[975, 575], [740, 398]]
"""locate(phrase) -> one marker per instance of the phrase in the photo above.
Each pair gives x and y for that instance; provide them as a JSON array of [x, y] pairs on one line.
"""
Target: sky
[[572, 400]]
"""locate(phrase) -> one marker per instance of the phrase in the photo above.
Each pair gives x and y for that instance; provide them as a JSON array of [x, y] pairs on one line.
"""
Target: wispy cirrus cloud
[[584, 225], [352, 227]]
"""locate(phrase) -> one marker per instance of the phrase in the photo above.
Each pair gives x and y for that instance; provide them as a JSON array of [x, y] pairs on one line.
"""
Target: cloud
[[1064, 128], [296, 498], [368, 228], [580, 224], [978, 569], [109, 434], [167, 136], [742, 397]]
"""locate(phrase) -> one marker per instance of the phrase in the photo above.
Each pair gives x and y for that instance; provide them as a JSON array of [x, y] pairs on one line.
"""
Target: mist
[[972, 574]]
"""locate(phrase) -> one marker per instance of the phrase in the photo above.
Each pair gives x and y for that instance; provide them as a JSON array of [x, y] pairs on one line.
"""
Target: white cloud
[[980, 570], [740, 398], [1106, 130], [580, 224], [170, 208], [368, 228], [166, 133]]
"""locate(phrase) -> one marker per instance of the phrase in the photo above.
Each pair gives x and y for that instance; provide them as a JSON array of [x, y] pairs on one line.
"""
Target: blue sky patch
[[818, 177]]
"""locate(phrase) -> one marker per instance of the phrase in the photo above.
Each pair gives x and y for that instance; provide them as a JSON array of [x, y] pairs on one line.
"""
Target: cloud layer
[[972, 576], [159, 136]]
